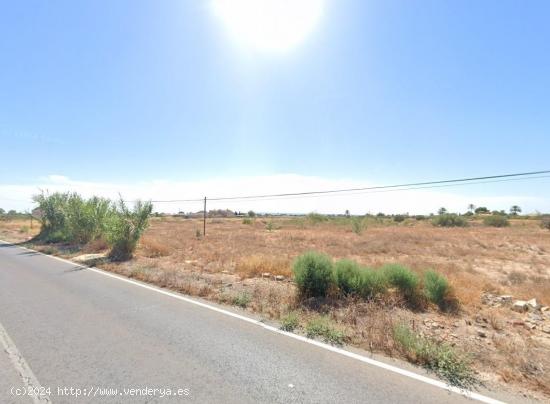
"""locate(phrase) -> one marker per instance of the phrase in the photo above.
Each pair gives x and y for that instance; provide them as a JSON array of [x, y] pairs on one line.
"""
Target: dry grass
[[18, 230], [256, 265], [153, 248]]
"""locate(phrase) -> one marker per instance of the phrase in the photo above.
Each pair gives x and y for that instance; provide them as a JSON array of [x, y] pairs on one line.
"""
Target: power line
[[407, 186]]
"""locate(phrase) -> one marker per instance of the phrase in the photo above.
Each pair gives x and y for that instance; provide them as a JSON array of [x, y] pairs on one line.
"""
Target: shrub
[[313, 274], [53, 219], [450, 220], [399, 218], [403, 279], [290, 322], [358, 225], [322, 327], [24, 229], [545, 222], [496, 221], [126, 227], [440, 358], [241, 300], [247, 220], [347, 274], [353, 279], [86, 219], [436, 288], [251, 213], [420, 217]]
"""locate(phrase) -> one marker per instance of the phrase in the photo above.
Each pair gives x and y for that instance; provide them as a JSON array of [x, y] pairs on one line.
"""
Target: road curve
[[77, 328]]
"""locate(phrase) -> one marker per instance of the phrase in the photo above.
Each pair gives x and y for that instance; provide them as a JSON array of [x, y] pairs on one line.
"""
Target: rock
[[545, 329], [532, 303], [544, 308], [279, 278], [266, 275], [520, 306]]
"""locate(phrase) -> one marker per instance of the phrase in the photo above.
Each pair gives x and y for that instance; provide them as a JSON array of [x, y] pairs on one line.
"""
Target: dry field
[[507, 349]]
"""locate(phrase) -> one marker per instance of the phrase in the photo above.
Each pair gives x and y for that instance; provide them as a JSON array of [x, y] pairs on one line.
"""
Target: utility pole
[[204, 219]]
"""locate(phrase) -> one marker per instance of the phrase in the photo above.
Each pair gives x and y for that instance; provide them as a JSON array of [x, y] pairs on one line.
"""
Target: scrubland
[[249, 264]]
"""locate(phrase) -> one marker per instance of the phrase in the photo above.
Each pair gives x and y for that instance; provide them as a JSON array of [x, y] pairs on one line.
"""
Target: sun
[[269, 25]]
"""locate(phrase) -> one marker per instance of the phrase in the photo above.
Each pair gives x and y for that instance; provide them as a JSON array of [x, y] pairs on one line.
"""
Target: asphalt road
[[78, 328]]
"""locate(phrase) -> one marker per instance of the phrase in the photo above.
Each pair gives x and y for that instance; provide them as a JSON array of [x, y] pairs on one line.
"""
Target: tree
[[2, 211], [471, 207], [251, 213], [481, 209], [515, 210], [441, 211], [347, 213], [12, 212]]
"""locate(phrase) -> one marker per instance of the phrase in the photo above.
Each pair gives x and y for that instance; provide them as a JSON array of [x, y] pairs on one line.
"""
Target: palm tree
[[515, 210]]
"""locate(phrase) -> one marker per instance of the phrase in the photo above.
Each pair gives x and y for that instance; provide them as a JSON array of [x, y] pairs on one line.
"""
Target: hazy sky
[[184, 98]]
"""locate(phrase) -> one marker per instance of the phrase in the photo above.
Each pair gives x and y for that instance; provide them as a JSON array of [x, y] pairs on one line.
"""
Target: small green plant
[[241, 299], [290, 322], [248, 220], [496, 221], [440, 358], [436, 288], [450, 220], [358, 224], [270, 225], [313, 274], [322, 327], [405, 280]]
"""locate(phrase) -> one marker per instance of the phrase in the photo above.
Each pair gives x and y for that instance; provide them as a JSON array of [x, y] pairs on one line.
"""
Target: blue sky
[[132, 92]]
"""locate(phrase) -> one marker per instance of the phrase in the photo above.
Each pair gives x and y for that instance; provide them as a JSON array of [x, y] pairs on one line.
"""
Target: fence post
[[204, 219]]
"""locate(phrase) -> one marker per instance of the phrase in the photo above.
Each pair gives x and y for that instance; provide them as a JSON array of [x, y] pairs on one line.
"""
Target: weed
[[440, 358], [322, 327], [248, 220], [242, 299], [313, 274], [358, 225], [290, 322]]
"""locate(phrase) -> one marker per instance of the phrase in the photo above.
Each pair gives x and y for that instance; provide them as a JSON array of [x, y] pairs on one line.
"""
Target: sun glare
[[269, 25]]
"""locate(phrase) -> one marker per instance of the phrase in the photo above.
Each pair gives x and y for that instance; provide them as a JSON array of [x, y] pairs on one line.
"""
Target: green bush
[[440, 358], [322, 327], [450, 220], [53, 217], [496, 221], [313, 274], [405, 280], [125, 228], [352, 279], [86, 220], [436, 288], [399, 218], [247, 220]]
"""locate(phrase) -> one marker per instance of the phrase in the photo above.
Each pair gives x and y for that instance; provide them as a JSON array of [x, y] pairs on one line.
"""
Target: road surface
[[76, 328]]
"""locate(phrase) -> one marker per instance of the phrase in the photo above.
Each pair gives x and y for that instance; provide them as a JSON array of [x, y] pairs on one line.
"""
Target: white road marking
[[20, 364], [370, 361]]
